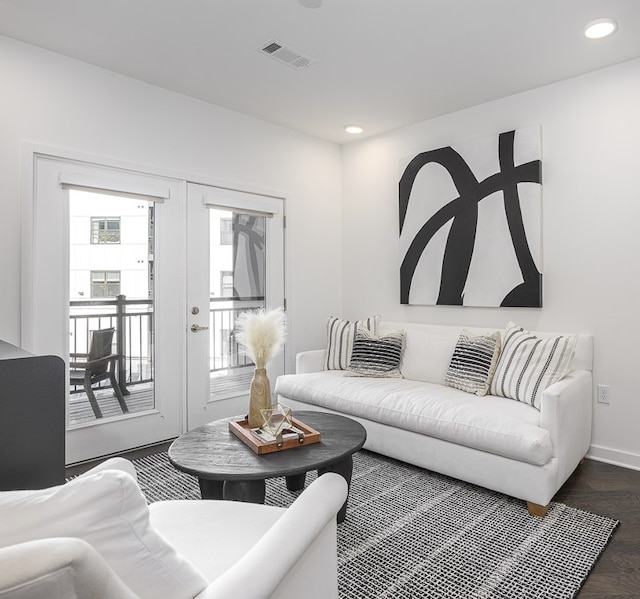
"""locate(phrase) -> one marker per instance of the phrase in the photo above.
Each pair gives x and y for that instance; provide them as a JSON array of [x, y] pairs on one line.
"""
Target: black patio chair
[[96, 366]]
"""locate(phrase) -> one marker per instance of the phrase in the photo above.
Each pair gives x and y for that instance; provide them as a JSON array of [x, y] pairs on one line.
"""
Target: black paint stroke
[[529, 292], [464, 212], [247, 226]]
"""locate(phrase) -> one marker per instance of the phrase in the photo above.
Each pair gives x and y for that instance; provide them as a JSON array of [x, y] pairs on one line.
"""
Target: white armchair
[[96, 537]]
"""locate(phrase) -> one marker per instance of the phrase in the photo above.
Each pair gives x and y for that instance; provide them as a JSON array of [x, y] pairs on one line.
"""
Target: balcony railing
[[133, 341], [133, 321], [224, 351]]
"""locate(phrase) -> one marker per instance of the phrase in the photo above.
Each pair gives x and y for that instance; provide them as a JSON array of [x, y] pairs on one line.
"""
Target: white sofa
[[495, 442], [95, 537]]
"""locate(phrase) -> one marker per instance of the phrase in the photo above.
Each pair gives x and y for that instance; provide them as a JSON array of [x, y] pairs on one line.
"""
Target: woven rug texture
[[412, 533]]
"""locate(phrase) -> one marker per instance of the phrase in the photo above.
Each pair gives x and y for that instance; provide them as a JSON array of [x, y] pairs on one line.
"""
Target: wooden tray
[[240, 428]]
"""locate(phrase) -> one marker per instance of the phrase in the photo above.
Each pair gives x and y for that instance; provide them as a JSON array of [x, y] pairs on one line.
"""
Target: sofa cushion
[[493, 424], [473, 362], [340, 337], [427, 356], [529, 364], [220, 534], [107, 510], [376, 356]]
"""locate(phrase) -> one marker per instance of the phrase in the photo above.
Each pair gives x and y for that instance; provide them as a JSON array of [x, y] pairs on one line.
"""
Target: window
[[226, 283], [105, 229], [226, 231], [105, 283]]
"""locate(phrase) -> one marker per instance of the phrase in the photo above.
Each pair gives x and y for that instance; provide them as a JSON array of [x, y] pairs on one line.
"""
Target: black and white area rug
[[411, 533]]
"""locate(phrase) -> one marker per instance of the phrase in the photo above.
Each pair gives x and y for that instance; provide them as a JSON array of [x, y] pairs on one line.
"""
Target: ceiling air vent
[[285, 54]]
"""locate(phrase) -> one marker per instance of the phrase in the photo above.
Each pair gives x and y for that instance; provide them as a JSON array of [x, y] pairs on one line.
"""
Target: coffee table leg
[[249, 491], [344, 468], [296, 482], [210, 489]]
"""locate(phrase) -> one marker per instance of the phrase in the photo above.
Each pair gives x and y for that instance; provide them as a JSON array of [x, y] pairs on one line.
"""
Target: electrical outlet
[[603, 394]]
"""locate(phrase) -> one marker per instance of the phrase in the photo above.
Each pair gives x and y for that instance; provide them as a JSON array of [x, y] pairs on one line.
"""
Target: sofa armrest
[[566, 412], [298, 554], [309, 361], [58, 567]]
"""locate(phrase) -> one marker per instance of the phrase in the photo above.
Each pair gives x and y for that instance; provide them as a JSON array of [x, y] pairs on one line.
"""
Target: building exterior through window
[[111, 247]]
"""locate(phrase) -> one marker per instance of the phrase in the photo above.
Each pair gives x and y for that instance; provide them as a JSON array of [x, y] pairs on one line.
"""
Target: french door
[[235, 263], [104, 265], [155, 271]]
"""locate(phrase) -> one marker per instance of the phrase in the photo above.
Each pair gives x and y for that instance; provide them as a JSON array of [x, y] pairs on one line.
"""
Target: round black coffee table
[[227, 469]]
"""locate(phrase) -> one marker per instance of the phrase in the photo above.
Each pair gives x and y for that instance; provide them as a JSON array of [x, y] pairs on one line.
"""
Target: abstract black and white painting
[[471, 223]]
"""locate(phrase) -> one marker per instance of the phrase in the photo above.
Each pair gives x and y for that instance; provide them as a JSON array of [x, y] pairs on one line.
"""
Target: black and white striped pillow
[[376, 356], [529, 364], [340, 337], [473, 362]]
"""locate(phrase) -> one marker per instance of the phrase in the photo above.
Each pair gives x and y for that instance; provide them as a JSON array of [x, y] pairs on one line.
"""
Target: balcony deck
[[141, 398]]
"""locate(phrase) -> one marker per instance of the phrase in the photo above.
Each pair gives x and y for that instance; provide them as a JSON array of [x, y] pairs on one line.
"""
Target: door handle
[[196, 327]]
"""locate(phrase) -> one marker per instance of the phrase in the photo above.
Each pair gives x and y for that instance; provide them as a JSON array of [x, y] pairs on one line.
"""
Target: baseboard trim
[[614, 457]]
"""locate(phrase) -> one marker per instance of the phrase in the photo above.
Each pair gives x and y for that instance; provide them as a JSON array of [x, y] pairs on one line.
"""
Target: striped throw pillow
[[473, 362], [529, 364], [340, 336], [376, 356]]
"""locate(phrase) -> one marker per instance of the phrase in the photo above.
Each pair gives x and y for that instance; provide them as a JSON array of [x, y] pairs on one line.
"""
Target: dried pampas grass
[[262, 333]]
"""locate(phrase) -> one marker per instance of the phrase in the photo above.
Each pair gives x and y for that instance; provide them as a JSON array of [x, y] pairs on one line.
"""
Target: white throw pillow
[[529, 364], [340, 337], [108, 510], [426, 356]]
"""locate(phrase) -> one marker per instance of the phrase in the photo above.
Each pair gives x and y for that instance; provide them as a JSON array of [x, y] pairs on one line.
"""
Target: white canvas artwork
[[471, 223]]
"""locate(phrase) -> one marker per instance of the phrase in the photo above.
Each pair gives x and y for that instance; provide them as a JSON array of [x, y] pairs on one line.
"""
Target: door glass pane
[[236, 284], [111, 259]]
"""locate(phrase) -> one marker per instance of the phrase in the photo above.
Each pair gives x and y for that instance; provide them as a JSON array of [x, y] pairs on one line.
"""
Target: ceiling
[[383, 64]]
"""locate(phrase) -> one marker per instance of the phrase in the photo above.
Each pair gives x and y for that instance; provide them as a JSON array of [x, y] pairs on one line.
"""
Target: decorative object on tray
[[262, 333], [296, 434], [275, 420]]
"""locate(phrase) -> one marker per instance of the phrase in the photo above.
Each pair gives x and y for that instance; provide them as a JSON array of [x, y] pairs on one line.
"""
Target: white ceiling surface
[[383, 64]]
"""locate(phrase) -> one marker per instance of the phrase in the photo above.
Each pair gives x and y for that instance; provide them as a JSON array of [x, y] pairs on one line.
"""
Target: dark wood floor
[[615, 492], [595, 487]]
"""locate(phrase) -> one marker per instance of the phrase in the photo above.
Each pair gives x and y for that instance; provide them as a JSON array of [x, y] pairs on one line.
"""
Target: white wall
[[591, 240], [59, 102]]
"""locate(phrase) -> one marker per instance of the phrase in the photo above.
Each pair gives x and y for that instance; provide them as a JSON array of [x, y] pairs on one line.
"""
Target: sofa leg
[[537, 510]]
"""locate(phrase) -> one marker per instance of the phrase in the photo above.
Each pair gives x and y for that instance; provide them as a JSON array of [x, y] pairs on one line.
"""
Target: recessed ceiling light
[[600, 28], [354, 129], [311, 3]]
